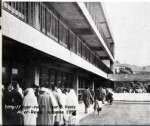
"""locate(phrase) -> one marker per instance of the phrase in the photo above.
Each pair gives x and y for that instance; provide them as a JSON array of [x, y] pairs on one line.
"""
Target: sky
[[130, 27]]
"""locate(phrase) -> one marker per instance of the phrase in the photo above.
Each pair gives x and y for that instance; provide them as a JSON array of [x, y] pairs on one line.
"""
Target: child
[[98, 106]]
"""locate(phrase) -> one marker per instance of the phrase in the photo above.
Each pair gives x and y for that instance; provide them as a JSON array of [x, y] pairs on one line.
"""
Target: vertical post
[[111, 66], [58, 30], [37, 76], [93, 84], [76, 84], [1, 70]]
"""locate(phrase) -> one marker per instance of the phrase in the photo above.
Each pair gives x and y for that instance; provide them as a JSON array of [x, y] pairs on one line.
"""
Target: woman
[[30, 107], [55, 106], [45, 115], [73, 120], [58, 95]]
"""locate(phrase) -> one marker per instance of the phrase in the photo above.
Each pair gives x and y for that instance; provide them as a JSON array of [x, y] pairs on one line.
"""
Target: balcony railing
[[39, 16], [91, 10]]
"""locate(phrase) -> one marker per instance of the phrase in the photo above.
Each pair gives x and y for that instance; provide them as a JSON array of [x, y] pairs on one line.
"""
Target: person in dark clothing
[[109, 97], [97, 94], [86, 98], [12, 106]]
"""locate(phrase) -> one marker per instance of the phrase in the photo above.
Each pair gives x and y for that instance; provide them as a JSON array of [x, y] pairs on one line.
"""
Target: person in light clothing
[[30, 107], [73, 107], [97, 101], [19, 89], [45, 115]]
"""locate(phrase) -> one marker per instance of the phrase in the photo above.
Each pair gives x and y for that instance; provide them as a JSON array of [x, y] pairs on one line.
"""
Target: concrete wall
[[23, 33], [131, 96], [106, 62]]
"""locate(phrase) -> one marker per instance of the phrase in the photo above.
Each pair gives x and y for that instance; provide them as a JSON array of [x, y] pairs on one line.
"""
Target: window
[[44, 76], [64, 80], [37, 16], [48, 23], [4, 70], [43, 18], [59, 79], [14, 71], [83, 50], [54, 27], [63, 34], [52, 77], [73, 42], [79, 49]]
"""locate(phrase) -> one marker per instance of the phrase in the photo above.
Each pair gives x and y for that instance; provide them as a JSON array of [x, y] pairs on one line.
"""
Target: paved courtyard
[[128, 113]]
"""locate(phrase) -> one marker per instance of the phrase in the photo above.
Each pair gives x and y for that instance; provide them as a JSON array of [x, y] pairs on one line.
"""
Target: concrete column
[[93, 84], [0, 74], [111, 65], [76, 84], [37, 76]]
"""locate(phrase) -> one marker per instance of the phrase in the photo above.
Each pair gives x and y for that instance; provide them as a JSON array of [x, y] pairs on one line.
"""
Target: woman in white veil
[[30, 107], [73, 107]]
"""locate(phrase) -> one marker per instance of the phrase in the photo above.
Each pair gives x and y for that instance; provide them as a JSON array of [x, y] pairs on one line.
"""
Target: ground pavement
[[127, 113]]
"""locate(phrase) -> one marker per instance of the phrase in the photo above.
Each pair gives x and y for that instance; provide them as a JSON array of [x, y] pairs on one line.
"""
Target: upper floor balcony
[[48, 21], [96, 11]]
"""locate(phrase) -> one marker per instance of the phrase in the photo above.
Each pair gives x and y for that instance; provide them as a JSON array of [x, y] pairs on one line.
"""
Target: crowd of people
[[48, 104], [96, 97], [131, 90], [44, 105]]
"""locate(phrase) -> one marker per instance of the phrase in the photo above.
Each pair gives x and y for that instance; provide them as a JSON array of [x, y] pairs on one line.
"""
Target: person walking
[[86, 98], [109, 96], [97, 101]]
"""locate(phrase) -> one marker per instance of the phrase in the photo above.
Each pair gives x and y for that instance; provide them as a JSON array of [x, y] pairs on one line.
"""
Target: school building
[[68, 44]]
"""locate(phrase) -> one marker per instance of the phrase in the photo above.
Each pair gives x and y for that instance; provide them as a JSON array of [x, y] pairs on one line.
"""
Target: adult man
[[86, 98]]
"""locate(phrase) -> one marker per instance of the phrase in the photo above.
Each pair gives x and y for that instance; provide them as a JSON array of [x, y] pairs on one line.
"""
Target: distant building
[[123, 70]]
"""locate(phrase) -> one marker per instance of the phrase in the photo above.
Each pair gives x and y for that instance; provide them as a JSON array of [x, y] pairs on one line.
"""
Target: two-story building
[[66, 44]]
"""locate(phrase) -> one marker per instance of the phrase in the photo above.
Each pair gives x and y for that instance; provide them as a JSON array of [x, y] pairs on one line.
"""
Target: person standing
[[12, 105], [30, 107], [45, 115], [73, 118], [19, 89], [58, 96], [103, 95], [86, 98]]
